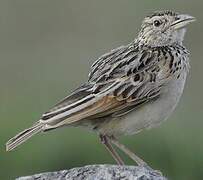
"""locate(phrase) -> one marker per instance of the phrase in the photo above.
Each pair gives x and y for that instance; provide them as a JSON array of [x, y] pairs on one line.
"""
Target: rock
[[100, 172]]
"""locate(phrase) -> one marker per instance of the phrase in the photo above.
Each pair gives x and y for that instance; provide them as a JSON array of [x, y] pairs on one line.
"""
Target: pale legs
[[107, 142]]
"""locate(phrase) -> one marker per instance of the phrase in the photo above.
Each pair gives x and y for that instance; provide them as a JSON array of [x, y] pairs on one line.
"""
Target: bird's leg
[[133, 156], [105, 140]]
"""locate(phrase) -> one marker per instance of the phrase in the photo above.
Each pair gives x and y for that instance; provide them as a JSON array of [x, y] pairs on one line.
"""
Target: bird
[[129, 89]]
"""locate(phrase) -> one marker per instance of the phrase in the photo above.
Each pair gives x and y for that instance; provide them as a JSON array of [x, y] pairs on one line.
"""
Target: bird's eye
[[157, 23]]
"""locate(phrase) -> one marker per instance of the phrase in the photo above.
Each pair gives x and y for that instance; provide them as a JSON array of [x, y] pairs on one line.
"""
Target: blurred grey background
[[46, 48]]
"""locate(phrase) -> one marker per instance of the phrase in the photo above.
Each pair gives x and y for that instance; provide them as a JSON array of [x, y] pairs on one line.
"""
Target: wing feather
[[119, 82]]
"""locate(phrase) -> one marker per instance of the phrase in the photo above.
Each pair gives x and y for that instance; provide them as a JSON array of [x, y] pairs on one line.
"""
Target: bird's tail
[[24, 136]]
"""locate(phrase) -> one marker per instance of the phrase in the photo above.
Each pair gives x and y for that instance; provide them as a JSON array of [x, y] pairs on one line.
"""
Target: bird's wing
[[118, 82]]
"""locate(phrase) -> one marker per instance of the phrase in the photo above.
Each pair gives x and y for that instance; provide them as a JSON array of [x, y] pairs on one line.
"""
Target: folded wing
[[119, 82]]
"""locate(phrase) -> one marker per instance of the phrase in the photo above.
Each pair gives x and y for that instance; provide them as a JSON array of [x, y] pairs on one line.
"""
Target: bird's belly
[[150, 114]]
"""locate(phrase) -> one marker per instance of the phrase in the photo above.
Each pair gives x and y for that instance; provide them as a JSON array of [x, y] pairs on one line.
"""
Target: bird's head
[[164, 28]]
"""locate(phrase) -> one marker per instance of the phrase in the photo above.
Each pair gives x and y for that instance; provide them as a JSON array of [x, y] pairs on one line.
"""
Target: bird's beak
[[182, 21]]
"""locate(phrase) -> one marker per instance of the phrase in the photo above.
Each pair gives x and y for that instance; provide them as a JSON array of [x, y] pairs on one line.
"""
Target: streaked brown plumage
[[134, 79]]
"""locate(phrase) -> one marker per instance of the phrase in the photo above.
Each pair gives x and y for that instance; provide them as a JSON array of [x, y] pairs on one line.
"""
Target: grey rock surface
[[100, 172]]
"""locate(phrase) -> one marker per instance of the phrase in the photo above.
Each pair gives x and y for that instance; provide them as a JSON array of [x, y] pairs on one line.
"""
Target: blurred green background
[[46, 48]]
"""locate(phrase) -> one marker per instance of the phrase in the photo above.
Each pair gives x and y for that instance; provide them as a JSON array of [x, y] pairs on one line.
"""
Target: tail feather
[[24, 136]]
